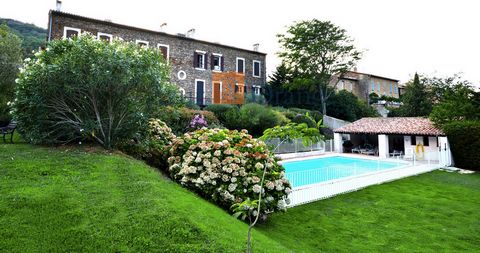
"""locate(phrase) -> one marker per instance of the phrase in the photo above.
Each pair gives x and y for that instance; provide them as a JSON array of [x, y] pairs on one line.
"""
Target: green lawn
[[70, 200], [434, 212], [77, 199]]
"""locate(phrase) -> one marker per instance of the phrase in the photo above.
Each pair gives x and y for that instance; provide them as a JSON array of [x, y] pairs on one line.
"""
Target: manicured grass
[[434, 212], [80, 200]]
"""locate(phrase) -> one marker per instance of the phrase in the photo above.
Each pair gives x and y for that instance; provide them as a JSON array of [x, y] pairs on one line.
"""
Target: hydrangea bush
[[226, 166]]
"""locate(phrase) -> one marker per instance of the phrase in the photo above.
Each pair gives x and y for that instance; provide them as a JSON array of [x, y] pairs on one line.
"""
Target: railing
[[294, 146], [326, 182]]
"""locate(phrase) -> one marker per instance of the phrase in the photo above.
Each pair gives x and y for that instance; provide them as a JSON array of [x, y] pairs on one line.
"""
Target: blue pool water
[[311, 171]]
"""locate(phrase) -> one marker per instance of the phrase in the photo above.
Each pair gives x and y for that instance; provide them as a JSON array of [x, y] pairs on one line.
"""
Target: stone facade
[[181, 54], [362, 85]]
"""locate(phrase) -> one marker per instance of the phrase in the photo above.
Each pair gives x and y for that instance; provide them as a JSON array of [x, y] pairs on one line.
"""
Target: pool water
[[311, 171]]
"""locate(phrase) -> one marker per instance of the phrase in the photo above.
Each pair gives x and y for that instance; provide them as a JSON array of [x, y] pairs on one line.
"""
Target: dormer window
[[256, 68], [105, 37], [70, 32], [199, 59], [142, 43], [217, 62]]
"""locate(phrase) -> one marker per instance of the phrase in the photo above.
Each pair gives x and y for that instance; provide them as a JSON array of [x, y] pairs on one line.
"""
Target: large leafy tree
[[456, 100], [10, 60], [318, 52], [416, 99]]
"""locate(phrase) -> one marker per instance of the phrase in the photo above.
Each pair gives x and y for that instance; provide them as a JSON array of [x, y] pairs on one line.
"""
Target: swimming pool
[[317, 170]]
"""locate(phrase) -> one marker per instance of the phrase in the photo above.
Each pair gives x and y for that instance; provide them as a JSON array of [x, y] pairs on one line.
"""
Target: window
[[395, 88], [104, 37], [373, 85], [413, 140], [165, 49], [256, 89], [378, 87], [199, 60], [391, 88], [240, 65], [141, 43], [239, 88], [200, 92], [217, 62], [70, 32], [256, 68], [425, 141]]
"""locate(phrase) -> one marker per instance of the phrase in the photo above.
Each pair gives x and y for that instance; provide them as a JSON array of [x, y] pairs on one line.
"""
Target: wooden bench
[[8, 130]]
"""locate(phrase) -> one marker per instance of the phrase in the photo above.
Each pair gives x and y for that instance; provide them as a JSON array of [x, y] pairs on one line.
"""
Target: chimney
[[255, 47], [190, 33], [162, 26], [59, 5]]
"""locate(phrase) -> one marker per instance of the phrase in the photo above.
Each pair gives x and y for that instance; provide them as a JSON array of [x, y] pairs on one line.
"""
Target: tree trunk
[[322, 100]]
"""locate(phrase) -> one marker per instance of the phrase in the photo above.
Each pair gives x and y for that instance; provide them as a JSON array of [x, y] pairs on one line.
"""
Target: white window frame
[[259, 68], [66, 28], [221, 90], [221, 61], [203, 60], [168, 49], [240, 85], [204, 91], [104, 34], [256, 91], [236, 63], [141, 41]]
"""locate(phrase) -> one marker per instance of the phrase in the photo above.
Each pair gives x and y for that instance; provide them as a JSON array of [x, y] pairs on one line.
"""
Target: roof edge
[[66, 14]]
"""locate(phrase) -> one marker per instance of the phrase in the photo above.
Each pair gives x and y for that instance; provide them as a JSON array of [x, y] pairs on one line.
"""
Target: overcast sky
[[399, 37]]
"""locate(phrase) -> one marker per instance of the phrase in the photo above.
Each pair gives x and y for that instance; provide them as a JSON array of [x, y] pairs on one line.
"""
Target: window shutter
[[222, 65], [212, 61], [195, 63], [205, 60]]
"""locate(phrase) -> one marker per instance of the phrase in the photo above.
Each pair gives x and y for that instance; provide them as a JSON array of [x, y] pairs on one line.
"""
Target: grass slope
[[434, 212], [54, 199]]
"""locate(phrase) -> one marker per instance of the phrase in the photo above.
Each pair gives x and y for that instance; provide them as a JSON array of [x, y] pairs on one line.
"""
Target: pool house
[[404, 137]]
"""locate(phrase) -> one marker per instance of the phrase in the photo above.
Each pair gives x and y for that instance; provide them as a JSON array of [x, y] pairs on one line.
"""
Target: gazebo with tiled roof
[[412, 130]]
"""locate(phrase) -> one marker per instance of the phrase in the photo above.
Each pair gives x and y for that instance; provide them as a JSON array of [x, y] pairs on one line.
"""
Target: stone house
[[205, 72], [362, 84]]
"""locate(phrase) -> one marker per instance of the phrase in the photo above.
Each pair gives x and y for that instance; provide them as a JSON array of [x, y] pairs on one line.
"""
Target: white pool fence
[[297, 146], [347, 179]]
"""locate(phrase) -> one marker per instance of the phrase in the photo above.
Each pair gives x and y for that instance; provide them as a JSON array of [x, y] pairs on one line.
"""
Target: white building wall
[[383, 146], [431, 151]]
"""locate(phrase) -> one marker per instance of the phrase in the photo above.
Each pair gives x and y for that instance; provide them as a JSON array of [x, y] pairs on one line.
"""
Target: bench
[[8, 130]]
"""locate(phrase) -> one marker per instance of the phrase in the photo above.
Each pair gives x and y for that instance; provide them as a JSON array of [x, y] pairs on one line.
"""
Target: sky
[[398, 38]]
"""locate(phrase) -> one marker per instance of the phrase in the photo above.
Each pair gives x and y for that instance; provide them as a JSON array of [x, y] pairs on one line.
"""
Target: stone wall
[[181, 50]]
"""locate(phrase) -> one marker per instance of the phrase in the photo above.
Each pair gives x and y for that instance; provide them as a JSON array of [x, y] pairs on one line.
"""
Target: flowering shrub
[[152, 145], [179, 119], [107, 89], [198, 122], [226, 166]]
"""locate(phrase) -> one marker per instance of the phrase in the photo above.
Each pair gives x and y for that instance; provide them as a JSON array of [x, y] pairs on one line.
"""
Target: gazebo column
[[337, 142], [382, 146]]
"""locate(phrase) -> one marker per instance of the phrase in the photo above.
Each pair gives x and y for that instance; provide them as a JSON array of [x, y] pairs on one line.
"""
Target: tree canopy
[[318, 52], [10, 61]]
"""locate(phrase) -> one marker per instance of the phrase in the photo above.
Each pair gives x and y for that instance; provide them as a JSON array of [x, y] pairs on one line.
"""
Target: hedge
[[464, 138]]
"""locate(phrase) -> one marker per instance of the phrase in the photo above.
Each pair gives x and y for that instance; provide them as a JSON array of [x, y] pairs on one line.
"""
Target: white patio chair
[[409, 154]]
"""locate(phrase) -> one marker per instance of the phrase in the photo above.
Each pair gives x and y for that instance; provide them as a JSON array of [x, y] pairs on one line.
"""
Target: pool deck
[[313, 192]]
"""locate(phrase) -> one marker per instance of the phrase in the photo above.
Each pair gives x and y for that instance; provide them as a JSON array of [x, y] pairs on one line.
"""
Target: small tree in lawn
[[416, 99], [318, 52]]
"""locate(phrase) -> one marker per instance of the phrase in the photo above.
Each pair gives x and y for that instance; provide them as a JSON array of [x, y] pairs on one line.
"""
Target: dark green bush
[[85, 89], [255, 118], [220, 111], [178, 119], [301, 118], [464, 138]]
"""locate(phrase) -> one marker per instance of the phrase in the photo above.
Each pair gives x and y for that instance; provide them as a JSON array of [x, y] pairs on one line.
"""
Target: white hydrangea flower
[[256, 188], [259, 166], [232, 187]]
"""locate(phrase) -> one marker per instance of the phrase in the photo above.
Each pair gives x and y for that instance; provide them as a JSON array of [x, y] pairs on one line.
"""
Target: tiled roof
[[397, 125]]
